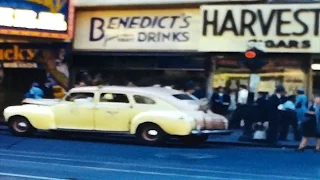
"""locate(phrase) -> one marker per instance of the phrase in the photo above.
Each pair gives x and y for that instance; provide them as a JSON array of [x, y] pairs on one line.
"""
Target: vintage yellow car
[[152, 114]]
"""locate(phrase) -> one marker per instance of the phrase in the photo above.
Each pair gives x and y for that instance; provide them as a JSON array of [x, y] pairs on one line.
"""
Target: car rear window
[[183, 97]]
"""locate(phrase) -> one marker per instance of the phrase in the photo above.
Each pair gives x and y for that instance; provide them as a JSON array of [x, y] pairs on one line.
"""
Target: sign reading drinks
[[137, 30], [291, 28], [39, 18]]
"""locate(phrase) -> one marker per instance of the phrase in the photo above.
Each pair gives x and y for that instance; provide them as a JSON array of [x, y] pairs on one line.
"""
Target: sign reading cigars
[[170, 30], [291, 28], [38, 18]]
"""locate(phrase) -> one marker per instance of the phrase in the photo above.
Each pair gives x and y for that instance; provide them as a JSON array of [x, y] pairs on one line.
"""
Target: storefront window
[[279, 71]]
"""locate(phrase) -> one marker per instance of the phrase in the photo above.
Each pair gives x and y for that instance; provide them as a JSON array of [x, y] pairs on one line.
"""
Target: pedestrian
[[241, 109], [35, 92], [273, 113], [310, 126], [289, 118], [261, 106], [189, 87], [301, 104], [220, 101], [200, 91]]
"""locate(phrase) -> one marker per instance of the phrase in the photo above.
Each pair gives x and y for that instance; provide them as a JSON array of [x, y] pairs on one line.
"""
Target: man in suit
[[274, 113], [220, 101]]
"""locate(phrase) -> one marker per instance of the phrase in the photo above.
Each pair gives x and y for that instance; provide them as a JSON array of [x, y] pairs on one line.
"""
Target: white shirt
[[243, 96]]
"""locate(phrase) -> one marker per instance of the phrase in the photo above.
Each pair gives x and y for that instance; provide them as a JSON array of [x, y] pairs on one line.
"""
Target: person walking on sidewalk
[[274, 114], [301, 104], [241, 109], [220, 102], [289, 118], [310, 126]]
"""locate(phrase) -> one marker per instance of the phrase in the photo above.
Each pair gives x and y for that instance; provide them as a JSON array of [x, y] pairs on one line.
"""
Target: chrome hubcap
[[20, 126], [150, 135]]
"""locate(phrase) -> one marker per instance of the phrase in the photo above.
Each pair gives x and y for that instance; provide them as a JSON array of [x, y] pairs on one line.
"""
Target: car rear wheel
[[20, 126], [150, 134], [194, 140]]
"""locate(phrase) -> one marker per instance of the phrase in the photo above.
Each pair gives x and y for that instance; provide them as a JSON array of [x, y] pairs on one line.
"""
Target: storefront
[[287, 33], [156, 46], [35, 41]]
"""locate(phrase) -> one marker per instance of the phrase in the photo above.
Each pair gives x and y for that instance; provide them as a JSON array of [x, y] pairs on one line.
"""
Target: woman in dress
[[310, 126]]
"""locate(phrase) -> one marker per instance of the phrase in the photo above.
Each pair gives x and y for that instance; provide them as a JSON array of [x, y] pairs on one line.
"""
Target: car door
[[76, 112], [113, 112]]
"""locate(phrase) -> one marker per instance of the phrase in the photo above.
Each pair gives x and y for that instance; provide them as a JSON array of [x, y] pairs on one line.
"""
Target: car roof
[[127, 89], [158, 92]]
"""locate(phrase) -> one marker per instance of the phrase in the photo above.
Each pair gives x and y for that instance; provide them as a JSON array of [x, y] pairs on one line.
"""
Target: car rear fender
[[171, 122], [40, 117]]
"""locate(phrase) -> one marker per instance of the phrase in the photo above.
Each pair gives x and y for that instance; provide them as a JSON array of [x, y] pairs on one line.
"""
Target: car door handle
[[112, 112]]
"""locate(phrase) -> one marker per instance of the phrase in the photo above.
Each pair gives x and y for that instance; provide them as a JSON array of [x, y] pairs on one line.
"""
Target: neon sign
[[53, 18], [31, 20]]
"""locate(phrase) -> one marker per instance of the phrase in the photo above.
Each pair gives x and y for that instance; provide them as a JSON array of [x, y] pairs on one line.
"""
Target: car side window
[[76, 96], [114, 98], [143, 100]]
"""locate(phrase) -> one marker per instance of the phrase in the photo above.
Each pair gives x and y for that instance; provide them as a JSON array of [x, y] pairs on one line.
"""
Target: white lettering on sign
[[31, 20]]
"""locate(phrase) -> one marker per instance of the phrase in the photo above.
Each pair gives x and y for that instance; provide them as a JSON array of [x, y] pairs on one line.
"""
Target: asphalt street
[[47, 157]]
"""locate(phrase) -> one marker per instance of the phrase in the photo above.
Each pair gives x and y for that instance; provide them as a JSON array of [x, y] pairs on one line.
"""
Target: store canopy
[[97, 3]]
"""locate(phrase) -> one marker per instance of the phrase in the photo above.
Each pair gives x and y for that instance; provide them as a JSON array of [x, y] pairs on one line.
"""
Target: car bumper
[[214, 132]]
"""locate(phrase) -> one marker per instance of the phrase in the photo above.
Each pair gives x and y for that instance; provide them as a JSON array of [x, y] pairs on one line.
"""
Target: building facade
[[35, 40], [289, 34], [146, 42]]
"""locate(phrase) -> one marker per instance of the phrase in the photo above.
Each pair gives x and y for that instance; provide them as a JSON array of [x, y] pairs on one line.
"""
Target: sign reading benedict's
[[39, 18], [291, 28]]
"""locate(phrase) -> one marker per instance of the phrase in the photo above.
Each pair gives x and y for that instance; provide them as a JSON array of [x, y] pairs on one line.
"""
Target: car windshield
[[185, 97]]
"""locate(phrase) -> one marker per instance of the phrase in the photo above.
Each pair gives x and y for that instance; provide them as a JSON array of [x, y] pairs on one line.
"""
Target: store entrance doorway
[[16, 82]]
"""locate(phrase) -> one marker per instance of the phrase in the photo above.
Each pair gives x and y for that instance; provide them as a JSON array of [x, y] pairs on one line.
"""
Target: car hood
[[45, 102]]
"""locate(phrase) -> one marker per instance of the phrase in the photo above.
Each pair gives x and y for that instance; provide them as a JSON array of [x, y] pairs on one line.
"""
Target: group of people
[[279, 110]]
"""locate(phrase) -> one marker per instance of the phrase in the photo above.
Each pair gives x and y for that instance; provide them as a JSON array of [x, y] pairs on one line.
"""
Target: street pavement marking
[[28, 176], [161, 167], [126, 171]]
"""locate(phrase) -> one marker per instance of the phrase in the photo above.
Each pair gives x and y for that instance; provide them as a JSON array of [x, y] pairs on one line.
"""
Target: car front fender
[[171, 122], [40, 117]]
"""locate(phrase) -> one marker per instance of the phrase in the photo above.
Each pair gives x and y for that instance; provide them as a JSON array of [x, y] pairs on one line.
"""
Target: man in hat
[[274, 114]]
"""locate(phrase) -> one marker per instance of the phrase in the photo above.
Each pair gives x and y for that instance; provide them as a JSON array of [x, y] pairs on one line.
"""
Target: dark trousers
[[250, 116], [219, 108], [289, 118], [273, 130], [237, 116]]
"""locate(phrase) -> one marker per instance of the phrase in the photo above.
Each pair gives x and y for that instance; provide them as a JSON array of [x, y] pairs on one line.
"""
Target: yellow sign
[[17, 54], [53, 5]]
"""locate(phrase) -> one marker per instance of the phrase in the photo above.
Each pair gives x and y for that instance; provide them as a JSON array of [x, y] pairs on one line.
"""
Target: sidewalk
[[233, 140]]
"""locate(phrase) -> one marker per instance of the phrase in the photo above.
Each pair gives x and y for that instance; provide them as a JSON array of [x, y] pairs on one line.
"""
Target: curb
[[256, 145]]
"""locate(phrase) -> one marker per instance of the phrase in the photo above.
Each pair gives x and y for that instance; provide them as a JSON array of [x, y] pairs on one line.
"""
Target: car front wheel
[[150, 134], [20, 126], [194, 139]]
